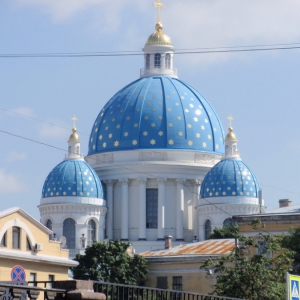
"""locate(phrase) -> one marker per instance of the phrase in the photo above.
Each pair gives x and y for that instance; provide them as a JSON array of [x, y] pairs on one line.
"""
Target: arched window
[[16, 237], [148, 61], [49, 224], [69, 232], [207, 229], [227, 222], [3, 241], [157, 60], [77, 150], [69, 149], [91, 232], [168, 61]]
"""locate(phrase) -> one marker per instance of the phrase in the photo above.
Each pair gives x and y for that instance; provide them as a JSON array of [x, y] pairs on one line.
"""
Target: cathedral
[[158, 165]]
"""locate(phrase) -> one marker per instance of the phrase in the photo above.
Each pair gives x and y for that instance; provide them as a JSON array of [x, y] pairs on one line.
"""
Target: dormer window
[[148, 61], [168, 61], [157, 60]]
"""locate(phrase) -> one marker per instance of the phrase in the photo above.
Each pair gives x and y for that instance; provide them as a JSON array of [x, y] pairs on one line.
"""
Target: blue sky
[[260, 89]]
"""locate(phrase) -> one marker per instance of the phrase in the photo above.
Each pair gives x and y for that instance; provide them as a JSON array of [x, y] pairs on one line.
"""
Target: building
[[27, 253], [178, 268], [151, 145]]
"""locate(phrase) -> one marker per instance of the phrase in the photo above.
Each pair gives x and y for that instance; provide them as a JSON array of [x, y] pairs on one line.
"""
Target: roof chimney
[[168, 241], [285, 202]]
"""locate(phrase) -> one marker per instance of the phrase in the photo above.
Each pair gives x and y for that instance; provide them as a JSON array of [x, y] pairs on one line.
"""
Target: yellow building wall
[[194, 279], [36, 234]]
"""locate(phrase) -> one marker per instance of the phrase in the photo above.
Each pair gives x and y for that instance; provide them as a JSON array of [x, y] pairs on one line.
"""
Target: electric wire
[[114, 54]]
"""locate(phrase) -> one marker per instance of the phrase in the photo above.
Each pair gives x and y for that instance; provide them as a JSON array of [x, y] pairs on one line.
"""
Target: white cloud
[[56, 131], [24, 111], [16, 156], [10, 183]]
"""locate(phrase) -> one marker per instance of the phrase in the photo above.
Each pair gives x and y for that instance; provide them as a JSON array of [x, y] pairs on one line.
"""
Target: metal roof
[[209, 247]]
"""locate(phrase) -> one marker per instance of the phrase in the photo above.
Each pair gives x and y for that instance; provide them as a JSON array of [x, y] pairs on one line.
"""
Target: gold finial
[[74, 119], [230, 118], [159, 6]]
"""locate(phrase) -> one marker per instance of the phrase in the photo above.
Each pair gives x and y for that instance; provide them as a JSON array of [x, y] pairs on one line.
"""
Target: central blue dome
[[157, 112], [73, 178]]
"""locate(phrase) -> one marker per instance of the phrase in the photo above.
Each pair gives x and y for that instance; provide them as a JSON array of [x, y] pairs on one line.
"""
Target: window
[[3, 240], [151, 208], [69, 149], [33, 279], [207, 229], [162, 282], [177, 283], [16, 237], [148, 61], [28, 244], [91, 232], [51, 278], [69, 232], [77, 150], [227, 222], [157, 60], [49, 224], [168, 61]]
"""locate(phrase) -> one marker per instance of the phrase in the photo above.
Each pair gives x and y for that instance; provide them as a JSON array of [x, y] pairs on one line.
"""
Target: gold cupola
[[159, 37], [231, 136], [74, 137]]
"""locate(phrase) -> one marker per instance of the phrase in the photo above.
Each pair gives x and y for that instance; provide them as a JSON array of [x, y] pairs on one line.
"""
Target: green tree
[[292, 242], [226, 232], [111, 262], [257, 277]]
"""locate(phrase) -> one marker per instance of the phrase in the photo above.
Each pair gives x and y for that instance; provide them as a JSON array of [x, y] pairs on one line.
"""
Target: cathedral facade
[[158, 148]]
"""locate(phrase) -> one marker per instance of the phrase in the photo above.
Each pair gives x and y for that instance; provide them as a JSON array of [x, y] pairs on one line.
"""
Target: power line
[[119, 54]]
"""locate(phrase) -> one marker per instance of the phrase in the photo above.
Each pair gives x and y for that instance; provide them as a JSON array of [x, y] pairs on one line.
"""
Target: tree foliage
[[292, 241], [259, 276], [110, 262], [226, 232]]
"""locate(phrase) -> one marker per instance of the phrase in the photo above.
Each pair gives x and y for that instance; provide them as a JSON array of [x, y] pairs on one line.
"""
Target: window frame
[[69, 232], [16, 237], [92, 232], [207, 229], [157, 60], [151, 208]]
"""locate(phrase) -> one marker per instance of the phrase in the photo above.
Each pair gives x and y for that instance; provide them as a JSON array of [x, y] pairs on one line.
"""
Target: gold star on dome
[[160, 103], [206, 121], [180, 133], [128, 118], [160, 117], [160, 133], [204, 145], [196, 119], [145, 133], [136, 125], [202, 127], [118, 126], [217, 146], [106, 128], [104, 121], [209, 137], [177, 104], [104, 145], [170, 109], [134, 142], [171, 142], [146, 117], [186, 110], [126, 133], [116, 144], [189, 125], [153, 109], [152, 142], [190, 143], [179, 118], [110, 135], [100, 137], [170, 124], [153, 125], [198, 135], [192, 105]]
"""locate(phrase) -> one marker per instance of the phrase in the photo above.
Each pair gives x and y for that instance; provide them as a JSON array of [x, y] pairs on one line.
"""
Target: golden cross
[[230, 118], [74, 119], [159, 6]]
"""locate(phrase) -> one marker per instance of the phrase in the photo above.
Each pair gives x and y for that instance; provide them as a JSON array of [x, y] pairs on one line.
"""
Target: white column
[[163, 61], [124, 207], [197, 184], [142, 209], [110, 208], [180, 210], [161, 209]]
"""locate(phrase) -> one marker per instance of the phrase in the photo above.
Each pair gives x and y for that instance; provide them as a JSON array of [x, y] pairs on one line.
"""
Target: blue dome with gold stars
[[230, 177], [157, 112], [73, 178]]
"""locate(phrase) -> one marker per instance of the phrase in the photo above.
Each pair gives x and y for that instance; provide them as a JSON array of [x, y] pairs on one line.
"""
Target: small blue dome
[[157, 112], [72, 178], [230, 177]]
